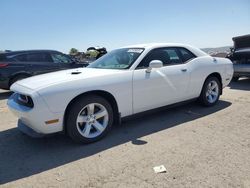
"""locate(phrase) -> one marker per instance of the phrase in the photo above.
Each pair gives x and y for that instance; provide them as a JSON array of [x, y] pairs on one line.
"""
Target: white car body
[[133, 89]]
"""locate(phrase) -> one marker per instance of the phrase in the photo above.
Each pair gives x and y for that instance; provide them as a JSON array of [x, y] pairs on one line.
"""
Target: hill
[[224, 49]]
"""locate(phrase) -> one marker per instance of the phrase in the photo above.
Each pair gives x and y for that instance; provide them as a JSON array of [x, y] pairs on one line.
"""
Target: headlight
[[25, 100]]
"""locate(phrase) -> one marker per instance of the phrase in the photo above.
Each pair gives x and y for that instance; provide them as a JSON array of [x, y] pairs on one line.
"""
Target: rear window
[[186, 55]]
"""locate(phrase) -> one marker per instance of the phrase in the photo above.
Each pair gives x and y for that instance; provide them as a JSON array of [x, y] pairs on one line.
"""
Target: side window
[[186, 55], [60, 58], [156, 54], [168, 56], [174, 58], [21, 58], [34, 57]]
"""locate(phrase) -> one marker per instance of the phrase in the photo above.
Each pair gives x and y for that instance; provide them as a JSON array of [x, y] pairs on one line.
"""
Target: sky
[[63, 24]]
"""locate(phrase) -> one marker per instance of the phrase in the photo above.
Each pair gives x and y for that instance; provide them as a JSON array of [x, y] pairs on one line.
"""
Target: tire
[[235, 79], [85, 123], [17, 78], [209, 95]]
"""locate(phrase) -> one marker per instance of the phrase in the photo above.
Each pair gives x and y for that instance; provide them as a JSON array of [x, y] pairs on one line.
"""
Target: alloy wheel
[[212, 91], [92, 120]]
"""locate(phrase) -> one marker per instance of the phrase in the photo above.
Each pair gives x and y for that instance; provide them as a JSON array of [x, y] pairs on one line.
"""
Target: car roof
[[241, 37], [27, 51], [149, 46], [154, 45]]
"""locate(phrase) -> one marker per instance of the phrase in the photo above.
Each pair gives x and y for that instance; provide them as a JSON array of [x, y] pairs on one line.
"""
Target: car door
[[42, 62], [36, 62], [161, 86]]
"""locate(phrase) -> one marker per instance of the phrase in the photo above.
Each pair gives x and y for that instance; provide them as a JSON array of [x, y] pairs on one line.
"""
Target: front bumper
[[35, 118], [27, 130]]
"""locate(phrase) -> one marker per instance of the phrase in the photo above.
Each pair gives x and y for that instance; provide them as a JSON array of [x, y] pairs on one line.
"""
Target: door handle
[[184, 70]]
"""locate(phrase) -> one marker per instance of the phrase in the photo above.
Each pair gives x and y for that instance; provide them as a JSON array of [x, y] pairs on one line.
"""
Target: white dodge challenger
[[85, 102]]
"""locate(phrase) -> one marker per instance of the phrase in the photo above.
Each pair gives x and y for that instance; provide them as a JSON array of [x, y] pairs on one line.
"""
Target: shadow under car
[[22, 156]]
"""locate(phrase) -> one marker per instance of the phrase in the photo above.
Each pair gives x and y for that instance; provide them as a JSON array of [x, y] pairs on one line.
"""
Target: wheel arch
[[106, 95], [218, 76], [18, 74]]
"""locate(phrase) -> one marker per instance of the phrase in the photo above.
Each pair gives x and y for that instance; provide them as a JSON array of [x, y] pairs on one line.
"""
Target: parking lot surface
[[199, 146]]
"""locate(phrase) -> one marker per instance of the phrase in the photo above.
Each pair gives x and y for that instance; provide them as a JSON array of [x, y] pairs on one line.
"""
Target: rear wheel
[[89, 119], [210, 92]]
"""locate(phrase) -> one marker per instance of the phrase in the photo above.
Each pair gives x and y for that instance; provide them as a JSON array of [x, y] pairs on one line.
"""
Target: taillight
[[3, 65]]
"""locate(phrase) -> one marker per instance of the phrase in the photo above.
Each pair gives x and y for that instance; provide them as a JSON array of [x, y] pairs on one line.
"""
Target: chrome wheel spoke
[[98, 126], [81, 119], [86, 130], [214, 93], [92, 120], [210, 98], [213, 86], [100, 114], [91, 108], [210, 85]]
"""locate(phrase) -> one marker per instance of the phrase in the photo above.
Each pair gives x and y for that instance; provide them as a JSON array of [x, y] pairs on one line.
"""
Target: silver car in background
[[240, 56]]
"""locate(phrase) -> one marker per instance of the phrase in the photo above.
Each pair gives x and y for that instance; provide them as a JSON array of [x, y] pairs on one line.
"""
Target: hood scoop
[[76, 72]]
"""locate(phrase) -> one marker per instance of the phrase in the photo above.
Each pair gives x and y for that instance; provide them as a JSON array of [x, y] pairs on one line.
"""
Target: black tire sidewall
[[73, 112], [235, 79], [203, 98]]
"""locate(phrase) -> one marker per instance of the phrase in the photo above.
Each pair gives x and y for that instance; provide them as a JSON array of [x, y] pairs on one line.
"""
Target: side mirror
[[154, 64]]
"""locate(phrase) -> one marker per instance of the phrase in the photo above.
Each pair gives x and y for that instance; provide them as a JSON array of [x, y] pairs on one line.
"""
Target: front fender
[[58, 96]]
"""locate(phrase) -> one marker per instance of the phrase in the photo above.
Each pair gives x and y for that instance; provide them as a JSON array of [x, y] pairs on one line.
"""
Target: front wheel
[[89, 119], [210, 92]]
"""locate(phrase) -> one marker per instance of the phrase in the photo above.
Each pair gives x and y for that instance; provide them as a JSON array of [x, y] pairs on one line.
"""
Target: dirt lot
[[200, 147]]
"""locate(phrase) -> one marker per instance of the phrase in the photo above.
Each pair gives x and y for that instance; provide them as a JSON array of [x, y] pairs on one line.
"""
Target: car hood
[[44, 80]]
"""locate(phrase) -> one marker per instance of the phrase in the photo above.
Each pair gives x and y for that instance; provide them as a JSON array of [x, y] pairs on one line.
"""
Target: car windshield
[[118, 59]]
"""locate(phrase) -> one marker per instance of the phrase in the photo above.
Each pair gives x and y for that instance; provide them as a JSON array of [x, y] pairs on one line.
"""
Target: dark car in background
[[92, 54], [240, 56], [18, 65]]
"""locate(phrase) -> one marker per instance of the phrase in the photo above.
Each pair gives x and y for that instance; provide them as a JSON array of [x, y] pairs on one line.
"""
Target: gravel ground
[[200, 147]]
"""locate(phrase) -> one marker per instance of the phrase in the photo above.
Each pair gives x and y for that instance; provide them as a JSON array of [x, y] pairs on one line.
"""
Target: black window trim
[[184, 62], [169, 47], [14, 57]]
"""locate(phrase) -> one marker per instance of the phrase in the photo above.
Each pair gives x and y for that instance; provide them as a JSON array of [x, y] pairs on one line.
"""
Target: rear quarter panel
[[202, 67]]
